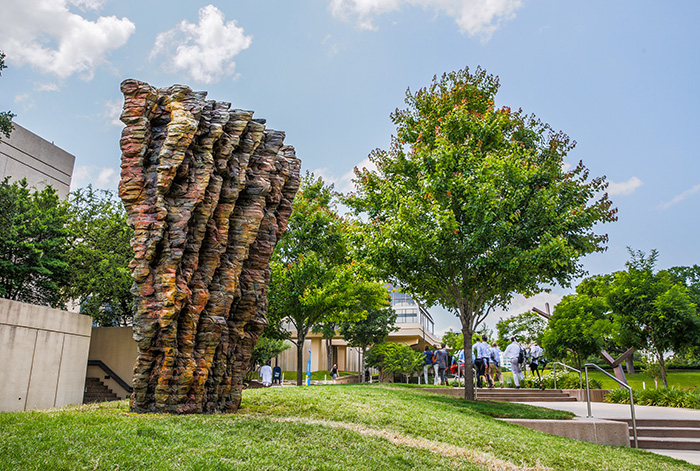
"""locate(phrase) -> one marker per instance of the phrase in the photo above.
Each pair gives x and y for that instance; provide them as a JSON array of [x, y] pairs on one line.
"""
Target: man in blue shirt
[[481, 361], [427, 362]]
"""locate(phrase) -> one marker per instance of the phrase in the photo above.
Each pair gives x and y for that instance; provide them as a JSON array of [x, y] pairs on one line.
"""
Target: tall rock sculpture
[[208, 190]]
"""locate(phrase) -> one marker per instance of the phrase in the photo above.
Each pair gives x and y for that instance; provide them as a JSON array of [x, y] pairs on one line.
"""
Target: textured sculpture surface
[[208, 190]]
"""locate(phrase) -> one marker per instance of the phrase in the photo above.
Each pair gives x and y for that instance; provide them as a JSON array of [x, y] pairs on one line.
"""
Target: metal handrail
[[554, 368], [624, 385]]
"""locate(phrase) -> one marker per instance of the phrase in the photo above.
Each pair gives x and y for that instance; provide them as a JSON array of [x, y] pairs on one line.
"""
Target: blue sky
[[621, 78]]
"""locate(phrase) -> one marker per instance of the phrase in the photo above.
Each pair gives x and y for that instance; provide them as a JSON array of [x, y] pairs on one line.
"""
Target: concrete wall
[[44, 354], [26, 155], [116, 348]]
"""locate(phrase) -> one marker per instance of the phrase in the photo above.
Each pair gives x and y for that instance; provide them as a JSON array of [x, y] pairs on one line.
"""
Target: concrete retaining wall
[[44, 355], [603, 432]]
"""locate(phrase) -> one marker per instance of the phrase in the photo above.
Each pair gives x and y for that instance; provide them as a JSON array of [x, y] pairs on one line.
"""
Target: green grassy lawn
[[316, 375], [358, 427], [678, 378]]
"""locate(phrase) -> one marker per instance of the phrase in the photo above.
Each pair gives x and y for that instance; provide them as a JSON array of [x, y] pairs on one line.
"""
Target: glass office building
[[410, 312]]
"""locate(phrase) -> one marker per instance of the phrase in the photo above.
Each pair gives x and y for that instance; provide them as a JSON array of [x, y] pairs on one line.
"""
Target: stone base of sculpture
[[208, 191]]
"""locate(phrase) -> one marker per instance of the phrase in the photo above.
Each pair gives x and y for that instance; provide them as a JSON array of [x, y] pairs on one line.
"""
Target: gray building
[[26, 155]]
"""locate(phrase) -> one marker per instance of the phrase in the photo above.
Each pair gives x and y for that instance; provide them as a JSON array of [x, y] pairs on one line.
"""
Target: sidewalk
[[603, 410]]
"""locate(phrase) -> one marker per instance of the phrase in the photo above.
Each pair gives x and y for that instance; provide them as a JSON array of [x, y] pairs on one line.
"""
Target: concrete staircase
[[96, 391], [523, 395], [666, 434]]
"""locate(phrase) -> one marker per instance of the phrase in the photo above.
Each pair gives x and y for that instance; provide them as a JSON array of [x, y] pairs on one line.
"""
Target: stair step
[[97, 391], [667, 432], [670, 443], [683, 423]]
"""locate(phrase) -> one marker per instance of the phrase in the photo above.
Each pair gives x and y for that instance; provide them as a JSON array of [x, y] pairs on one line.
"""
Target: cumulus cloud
[[46, 87], [624, 188], [105, 178], [473, 17], [204, 51], [46, 35], [678, 198], [344, 182], [112, 112]]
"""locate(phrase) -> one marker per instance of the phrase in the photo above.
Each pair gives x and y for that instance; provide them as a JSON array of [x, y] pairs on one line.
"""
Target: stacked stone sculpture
[[208, 191]]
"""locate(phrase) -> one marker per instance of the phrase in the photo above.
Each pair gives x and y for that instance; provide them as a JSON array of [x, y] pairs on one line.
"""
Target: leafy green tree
[[580, 326], [653, 312], [371, 330], [472, 204], [314, 280], [391, 357], [265, 350], [99, 256], [527, 327], [33, 244], [5, 116]]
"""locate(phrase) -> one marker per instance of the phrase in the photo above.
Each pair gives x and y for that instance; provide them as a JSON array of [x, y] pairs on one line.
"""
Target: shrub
[[564, 381]]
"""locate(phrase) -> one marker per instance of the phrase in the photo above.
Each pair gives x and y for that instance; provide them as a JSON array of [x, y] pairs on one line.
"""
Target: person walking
[[427, 362], [266, 375], [514, 352], [442, 364], [495, 364], [334, 373], [481, 360], [536, 354], [436, 365]]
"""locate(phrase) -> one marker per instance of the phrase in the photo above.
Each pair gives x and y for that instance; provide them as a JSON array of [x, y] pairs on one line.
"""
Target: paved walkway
[[603, 410]]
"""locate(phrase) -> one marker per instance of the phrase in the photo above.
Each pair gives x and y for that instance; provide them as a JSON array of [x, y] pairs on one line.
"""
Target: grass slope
[[362, 427]]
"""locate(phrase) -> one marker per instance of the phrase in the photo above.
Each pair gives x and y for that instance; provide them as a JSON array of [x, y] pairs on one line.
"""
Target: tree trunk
[[300, 358], [629, 363], [468, 373], [662, 363], [361, 366], [329, 352]]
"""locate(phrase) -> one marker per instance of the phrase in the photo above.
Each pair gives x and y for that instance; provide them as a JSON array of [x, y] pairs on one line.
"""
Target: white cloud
[[474, 17], [47, 36], [46, 87], [678, 198], [204, 51], [624, 188], [105, 178], [343, 183], [26, 100], [88, 4], [112, 112]]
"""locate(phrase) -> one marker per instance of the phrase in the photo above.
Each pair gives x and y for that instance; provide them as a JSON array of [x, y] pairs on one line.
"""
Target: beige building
[[26, 155], [416, 329]]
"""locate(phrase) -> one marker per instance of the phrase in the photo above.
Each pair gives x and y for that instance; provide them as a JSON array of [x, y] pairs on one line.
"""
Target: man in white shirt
[[266, 375], [513, 352], [481, 360]]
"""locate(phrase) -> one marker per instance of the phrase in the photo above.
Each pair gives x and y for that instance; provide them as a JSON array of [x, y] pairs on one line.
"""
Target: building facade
[[26, 155]]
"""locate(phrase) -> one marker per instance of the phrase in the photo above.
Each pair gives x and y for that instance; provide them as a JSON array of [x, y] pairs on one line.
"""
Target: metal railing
[[566, 367], [624, 385]]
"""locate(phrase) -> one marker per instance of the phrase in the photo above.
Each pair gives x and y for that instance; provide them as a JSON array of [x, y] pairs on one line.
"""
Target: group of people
[[486, 360], [519, 357]]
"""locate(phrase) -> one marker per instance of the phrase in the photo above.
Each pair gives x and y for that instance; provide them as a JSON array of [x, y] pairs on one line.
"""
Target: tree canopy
[[99, 256], [33, 244], [473, 203], [392, 357], [652, 310], [527, 327], [314, 278], [371, 330], [5, 116]]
